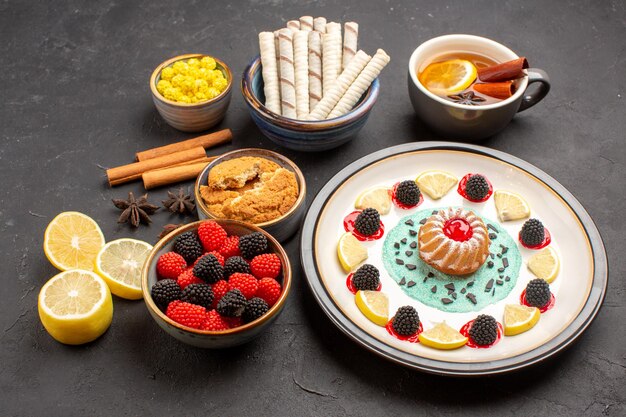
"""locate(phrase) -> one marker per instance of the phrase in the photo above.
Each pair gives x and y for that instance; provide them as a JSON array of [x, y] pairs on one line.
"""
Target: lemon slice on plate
[[510, 206], [435, 183], [72, 240], [442, 337], [377, 198], [350, 252], [75, 307], [519, 318], [119, 263], [545, 264], [374, 305], [448, 77]]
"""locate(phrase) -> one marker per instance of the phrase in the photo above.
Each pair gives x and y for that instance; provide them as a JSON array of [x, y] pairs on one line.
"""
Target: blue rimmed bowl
[[303, 135]]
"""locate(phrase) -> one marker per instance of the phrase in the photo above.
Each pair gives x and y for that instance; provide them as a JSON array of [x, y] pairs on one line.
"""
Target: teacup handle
[[535, 75]]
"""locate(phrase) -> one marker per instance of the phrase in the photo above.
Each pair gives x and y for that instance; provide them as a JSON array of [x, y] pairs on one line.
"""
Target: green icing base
[[422, 289]]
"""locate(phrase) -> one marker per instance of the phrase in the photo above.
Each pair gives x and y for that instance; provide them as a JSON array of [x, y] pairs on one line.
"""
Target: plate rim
[[578, 325]]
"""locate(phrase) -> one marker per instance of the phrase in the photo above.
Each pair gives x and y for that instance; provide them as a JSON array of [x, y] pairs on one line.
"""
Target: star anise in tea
[[468, 98], [181, 202], [135, 211]]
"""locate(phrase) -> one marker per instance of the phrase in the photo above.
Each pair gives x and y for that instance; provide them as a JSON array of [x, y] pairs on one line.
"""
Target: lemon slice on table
[[374, 305], [72, 240], [350, 252], [75, 307], [442, 336], [119, 263], [448, 77], [519, 318], [377, 198], [545, 264], [435, 183], [510, 206]]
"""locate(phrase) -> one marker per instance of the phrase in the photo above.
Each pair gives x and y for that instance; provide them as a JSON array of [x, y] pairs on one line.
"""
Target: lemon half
[[119, 263]]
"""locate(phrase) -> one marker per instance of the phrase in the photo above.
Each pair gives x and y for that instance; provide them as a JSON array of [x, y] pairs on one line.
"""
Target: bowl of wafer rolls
[[311, 88]]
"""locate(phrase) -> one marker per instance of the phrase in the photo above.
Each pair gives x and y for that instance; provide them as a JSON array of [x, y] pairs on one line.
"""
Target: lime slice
[[377, 198], [119, 263], [435, 183], [510, 206], [374, 305], [442, 337], [350, 252], [519, 318], [545, 264]]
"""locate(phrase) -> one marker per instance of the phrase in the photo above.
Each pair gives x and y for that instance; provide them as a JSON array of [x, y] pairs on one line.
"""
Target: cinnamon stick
[[130, 172], [206, 141], [506, 71], [172, 175], [501, 90]]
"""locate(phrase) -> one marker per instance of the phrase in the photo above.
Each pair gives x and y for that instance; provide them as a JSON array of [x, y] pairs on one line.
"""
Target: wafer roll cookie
[[350, 41], [362, 83], [315, 68], [277, 58], [332, 27], [301, 67], [287, 77], [331, 60], [342, 84], [267, 47], [319, 24], [293, 25], [306, 23]]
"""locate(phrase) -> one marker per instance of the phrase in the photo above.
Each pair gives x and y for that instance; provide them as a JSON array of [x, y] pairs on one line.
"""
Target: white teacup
[[466, 122]]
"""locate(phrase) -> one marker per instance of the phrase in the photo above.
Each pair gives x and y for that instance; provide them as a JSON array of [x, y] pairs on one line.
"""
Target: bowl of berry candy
[[216, 283]]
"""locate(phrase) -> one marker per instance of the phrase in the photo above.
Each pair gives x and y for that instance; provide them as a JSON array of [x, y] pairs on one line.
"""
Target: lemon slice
[[350, 252], [72, 240], [442, 337], [75, 307], [119, 263], [435, 183], [545, 264], [377, 198], [448, 77], [374, 305], [518, 318], [510, 206]]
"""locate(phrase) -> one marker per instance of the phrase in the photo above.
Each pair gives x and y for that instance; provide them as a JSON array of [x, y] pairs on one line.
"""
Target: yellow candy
[[193, 99], [184, 99], [167, 73], [193, 62], [170, 93], [208, 63], [177, 80], [181, 67], [200, 84], [201, 96], [217, 74], [220, 84], [162, 85], [192, 81], [212, 92]]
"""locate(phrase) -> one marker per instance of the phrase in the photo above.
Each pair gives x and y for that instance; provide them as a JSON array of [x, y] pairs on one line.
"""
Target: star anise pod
[[181, 202], [135, 210], [468, 98], [167, 229]]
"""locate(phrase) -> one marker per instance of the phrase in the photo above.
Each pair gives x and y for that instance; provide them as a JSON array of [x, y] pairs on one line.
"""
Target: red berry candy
[[187, 277], [230, 247], [214, 322], [266, 265], [269, 290], [233, 321], [212, 235], [246, 283], [170, 265], [220, 288], [187, 314]]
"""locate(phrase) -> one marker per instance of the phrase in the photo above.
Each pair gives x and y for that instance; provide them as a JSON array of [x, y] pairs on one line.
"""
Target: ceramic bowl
[[282, 227], [205, 338], [192, 117], [301, 135]]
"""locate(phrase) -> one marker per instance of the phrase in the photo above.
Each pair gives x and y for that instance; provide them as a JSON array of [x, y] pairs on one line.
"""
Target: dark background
[[75, 98]]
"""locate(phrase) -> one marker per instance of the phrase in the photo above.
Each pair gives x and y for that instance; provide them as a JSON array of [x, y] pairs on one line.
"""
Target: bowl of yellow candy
[[192, 92]]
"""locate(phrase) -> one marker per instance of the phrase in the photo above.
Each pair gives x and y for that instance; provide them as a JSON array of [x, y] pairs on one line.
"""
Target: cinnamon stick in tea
[[506, 71], [206, 141], [501, 90], [172, 175], [130, 172]]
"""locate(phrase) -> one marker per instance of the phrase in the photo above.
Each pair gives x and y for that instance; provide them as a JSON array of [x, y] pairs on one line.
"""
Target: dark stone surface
[[75, 98]]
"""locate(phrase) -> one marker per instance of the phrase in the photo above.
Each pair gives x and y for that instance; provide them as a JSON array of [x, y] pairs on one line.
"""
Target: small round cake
[[454, 241]]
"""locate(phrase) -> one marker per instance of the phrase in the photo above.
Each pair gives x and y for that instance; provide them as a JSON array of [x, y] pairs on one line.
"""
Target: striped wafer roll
[[277, 57], [319, 24], [287, 77], [362, 83], [306, 23], [267, 47], [333, 27], [293, 25], [343, 82], [301, 67], [331, 60], [315, 68], [350, 40]]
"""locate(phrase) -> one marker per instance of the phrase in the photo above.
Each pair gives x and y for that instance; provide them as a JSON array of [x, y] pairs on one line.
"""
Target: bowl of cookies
[[311, 88], [256, 186]]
